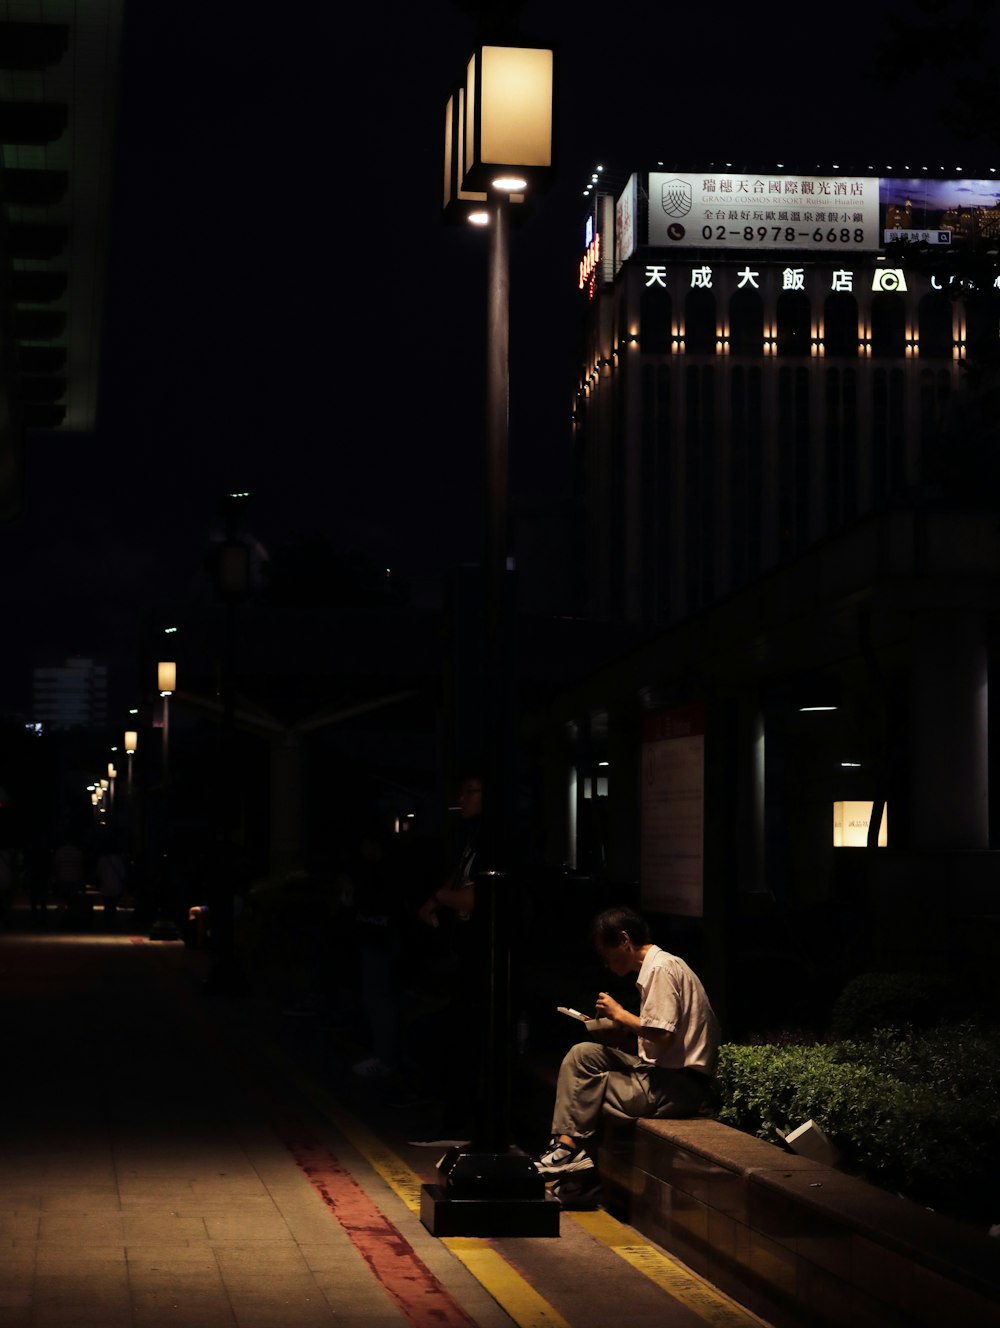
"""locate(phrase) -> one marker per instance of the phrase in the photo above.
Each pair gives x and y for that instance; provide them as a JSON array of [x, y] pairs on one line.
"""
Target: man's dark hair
[[608, 926]]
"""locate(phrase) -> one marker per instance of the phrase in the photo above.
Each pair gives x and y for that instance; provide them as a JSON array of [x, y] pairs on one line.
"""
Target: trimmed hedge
[[899, 1000], [916, 1111]]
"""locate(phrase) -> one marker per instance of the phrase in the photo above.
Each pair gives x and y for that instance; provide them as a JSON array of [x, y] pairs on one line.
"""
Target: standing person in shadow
[[110, 877], [66, 874], [373, 879], [449, 909]]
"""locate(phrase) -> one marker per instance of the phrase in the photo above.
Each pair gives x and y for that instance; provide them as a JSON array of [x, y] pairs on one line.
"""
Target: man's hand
[[606, 1007]]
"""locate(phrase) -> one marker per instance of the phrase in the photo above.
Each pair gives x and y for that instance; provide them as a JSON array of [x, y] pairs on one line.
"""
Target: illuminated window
[[851, 820]]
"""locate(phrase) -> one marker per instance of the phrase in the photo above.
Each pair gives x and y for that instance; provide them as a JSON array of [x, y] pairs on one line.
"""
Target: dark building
[[58, 99], [785, 431]]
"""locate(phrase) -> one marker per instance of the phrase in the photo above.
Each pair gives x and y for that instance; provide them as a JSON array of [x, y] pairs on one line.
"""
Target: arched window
[[888, 324], [655, 312], [935, 325], [840, 324], [981, 327], [794, 323], [700, 328], [746, 322]]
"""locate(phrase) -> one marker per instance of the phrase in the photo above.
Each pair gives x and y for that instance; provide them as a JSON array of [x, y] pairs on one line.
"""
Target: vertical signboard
[[673, 811], [626, 216]]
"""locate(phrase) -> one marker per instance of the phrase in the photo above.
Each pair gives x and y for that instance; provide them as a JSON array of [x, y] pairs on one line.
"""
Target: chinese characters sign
[[791, 278], [739, 211]]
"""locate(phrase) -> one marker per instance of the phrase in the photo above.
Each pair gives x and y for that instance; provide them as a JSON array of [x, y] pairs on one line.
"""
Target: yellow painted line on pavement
[[512, 1292], [706, 1301], [509, 1289]]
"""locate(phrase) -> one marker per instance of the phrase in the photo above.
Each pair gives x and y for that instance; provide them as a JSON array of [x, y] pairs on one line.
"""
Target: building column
[[288, 763], [624, 821], [750, 793], [949, 788]]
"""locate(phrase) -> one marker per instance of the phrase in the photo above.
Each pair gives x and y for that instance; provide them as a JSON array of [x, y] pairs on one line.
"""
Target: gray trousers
[[593, 1076]]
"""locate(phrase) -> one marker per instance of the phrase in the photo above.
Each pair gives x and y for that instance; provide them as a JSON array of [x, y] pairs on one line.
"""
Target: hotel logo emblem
[[676, 198]]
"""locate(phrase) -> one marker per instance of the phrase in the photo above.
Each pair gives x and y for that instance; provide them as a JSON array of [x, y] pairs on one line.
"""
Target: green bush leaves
[[913, 1110]]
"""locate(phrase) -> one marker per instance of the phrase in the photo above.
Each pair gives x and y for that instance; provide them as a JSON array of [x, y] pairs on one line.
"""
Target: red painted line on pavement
[[391, 1257], [421, 1297]]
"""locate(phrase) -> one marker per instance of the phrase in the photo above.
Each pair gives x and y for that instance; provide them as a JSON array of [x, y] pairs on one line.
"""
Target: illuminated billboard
[[939, 212], [740, 210]]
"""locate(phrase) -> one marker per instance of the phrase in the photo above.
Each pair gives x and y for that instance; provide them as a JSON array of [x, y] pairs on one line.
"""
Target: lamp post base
[[488, 1194], [165, 930]]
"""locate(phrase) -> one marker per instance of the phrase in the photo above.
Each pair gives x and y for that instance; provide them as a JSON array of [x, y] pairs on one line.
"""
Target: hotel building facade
[[784, 430]]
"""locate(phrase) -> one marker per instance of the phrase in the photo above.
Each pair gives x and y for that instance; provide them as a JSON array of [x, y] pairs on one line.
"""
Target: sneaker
[[372, 1068], [581, 1190], [307, 1008], [437, 1141], [560, 1159]]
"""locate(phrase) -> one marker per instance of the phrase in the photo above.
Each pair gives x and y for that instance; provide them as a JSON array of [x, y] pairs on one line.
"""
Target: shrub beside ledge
[[912, 1111]]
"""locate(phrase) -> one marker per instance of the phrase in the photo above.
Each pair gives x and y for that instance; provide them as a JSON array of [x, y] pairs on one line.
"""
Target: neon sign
[[589, 262]]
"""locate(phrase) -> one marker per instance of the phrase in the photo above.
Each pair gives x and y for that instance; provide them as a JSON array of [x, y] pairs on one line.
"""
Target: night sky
[[286, 313]]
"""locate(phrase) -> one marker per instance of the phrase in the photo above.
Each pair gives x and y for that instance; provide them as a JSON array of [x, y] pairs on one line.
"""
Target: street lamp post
[[165, 928], [166, 681], [131, 742], [498, 142]]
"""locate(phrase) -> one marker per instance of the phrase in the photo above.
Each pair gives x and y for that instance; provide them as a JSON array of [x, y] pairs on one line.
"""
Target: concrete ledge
[[794, 1241]]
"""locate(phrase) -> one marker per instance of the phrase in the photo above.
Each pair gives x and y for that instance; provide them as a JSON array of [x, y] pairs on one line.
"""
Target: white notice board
[[673, 811]]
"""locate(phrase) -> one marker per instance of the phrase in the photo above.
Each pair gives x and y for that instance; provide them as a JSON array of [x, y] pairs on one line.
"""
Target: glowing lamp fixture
[[166, 677], [457, 198], [509, 184], [131, 740], [498, 128], [506, 139]]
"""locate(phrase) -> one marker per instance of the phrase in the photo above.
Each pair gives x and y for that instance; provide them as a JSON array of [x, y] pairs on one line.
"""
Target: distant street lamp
[[165, 928], [166, 681], [498, 146], [130, 744]]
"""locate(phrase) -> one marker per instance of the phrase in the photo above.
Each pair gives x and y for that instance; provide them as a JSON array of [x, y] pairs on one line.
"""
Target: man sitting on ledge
[[678, 1045]]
